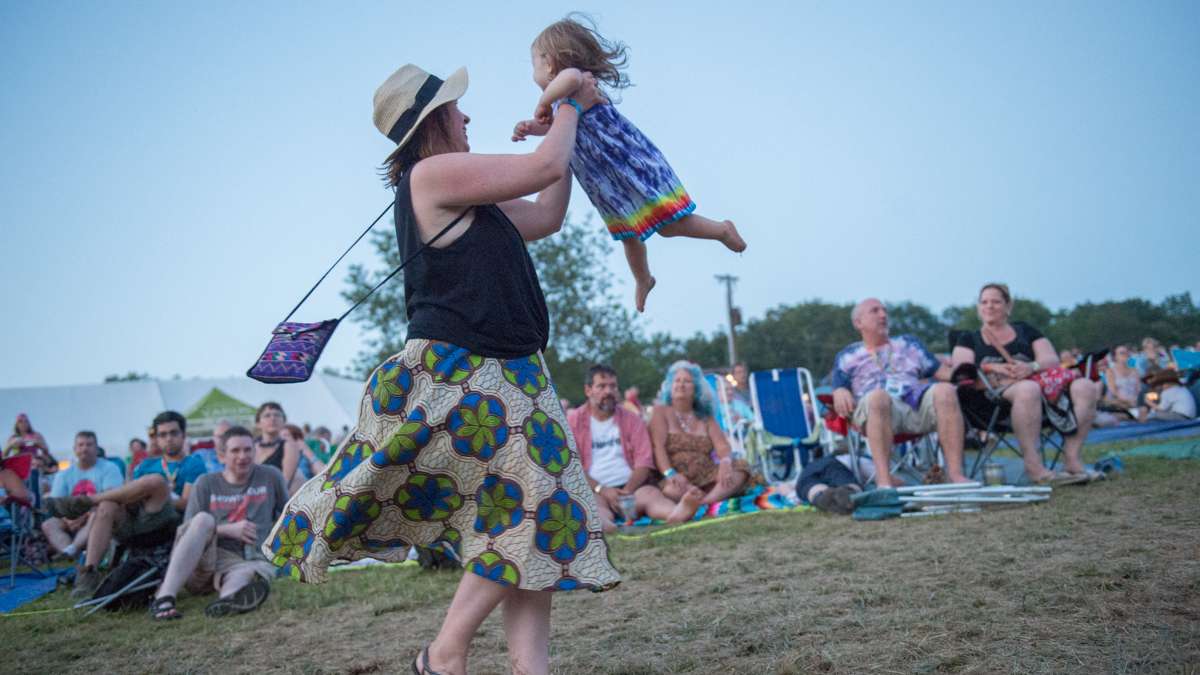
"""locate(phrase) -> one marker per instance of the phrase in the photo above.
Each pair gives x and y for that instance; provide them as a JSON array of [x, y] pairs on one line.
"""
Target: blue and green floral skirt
[[465, 452]]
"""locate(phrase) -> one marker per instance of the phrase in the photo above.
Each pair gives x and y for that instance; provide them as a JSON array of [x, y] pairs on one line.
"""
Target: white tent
[[120, 411]]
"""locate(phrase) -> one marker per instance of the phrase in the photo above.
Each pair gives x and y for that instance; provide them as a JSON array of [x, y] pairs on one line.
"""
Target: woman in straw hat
[[461, 442]]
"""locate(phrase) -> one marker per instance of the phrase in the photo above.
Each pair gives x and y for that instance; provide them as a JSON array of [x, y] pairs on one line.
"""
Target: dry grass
[[1103, 579]]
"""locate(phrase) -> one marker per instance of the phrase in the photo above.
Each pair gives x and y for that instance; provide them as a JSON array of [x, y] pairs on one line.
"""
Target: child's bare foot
[[732, 240], [685, 510], [642, 291]]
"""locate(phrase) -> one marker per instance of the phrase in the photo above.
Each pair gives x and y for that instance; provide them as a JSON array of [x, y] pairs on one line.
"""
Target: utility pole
[[731, 313]]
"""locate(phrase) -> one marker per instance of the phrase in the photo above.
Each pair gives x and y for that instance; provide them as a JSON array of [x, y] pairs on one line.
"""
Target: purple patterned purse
[[292, 353]]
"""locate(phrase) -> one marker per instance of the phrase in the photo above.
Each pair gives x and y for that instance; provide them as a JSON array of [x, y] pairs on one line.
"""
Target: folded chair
[[786, 426], [736, 430], [913, 455]]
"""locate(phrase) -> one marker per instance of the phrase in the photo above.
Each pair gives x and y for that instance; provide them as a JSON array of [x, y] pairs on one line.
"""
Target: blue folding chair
[[784, 403]]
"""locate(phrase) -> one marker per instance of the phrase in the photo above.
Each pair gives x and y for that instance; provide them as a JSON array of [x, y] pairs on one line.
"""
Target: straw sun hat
[[408, 96]]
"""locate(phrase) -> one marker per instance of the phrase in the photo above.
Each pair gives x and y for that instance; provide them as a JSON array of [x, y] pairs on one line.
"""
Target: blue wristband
[[669, 472], [574, 104]]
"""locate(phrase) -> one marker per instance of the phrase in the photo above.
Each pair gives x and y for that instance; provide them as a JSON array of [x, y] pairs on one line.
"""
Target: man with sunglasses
[[151, 502]]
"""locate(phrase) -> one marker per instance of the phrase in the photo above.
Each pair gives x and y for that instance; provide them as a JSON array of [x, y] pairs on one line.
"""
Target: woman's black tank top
[[480, 292]]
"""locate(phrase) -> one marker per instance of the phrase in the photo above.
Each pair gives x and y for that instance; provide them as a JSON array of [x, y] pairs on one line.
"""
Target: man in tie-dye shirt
[[879, 384]]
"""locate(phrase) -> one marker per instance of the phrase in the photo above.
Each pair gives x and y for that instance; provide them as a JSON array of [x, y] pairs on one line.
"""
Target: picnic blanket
[[29, 587], [754, 500], [1145, 430]]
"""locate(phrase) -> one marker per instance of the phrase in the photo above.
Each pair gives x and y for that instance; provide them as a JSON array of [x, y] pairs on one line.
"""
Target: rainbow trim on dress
[[647, 220]]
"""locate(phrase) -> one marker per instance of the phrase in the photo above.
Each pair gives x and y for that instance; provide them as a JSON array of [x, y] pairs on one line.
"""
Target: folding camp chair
[[737, 429], [913, 455], [784, 403], [21, 524]]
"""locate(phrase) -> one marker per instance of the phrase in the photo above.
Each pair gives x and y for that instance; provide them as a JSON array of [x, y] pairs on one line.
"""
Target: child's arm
[[563, 85], [527, 128]]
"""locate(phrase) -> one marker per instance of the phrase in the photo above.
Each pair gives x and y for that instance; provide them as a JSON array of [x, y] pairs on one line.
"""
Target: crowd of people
[[213, 500], [665, 461]]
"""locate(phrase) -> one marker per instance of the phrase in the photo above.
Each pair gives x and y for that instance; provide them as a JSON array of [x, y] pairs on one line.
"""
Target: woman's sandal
[[424, 669], [163, 609]]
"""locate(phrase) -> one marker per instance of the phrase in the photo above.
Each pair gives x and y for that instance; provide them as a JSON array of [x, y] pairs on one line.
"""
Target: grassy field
[[1103, 579]]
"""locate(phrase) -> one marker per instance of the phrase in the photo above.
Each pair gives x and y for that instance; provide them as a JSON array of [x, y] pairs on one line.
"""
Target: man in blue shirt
[[150, 502], [87, 476]]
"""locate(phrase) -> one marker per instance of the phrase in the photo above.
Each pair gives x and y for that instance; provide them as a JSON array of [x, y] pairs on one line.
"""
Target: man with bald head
[[878, 384]]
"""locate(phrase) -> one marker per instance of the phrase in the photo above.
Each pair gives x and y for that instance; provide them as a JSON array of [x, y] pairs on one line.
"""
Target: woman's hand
[[1020, 370], [726, 476], [679, 482]]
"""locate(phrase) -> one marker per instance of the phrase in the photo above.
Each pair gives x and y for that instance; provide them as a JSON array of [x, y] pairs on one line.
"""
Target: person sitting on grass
[[614, 449], [1173, 403], [218, 547], [87, 476], [690, 450], [149, 503], [877, 384]]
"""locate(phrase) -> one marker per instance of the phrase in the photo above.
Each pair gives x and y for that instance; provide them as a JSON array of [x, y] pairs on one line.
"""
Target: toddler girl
[[625, 176]]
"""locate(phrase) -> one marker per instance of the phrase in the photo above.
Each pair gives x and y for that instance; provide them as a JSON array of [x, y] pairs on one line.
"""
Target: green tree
[[131, 376], [917, 320], [808, 334]]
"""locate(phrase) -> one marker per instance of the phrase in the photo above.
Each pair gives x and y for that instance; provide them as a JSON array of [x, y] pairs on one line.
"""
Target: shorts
[[905, 420], [138, 521], [215, 562]]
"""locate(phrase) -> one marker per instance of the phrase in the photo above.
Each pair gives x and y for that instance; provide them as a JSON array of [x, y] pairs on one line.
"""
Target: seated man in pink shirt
[[614, 447]]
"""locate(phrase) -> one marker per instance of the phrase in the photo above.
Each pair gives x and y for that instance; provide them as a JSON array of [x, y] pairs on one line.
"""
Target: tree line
[[589, 324]]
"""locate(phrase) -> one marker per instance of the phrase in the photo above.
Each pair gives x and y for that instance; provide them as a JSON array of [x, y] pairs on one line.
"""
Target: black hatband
[[405, 124]]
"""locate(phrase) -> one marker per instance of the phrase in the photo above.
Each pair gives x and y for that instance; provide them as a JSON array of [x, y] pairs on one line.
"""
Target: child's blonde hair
[[572, 43]]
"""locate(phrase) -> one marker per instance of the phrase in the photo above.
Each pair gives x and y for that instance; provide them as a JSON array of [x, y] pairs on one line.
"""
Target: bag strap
[[989, 338], [405, 262], [388, 277], [335, 262]]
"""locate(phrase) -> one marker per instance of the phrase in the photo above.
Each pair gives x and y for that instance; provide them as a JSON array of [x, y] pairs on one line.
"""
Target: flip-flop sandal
[[1056, 479], [163, 609], [245, 599], [424, 669]]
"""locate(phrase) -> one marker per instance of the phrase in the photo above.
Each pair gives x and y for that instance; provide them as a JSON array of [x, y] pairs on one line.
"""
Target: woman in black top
[[461, 443], [1030, 351]]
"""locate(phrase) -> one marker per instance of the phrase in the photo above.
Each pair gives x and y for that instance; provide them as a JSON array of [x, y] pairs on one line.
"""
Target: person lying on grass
[[217, 547]]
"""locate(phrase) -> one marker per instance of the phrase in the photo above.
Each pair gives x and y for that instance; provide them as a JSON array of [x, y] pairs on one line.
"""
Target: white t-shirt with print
[[609, 467]]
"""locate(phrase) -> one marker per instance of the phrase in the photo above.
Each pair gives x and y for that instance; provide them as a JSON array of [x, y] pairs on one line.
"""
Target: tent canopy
[[120, 411], [215, 406]]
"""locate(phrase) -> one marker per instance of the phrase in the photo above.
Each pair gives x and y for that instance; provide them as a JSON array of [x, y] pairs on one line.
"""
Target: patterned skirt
[[460, 451], [625, 176]]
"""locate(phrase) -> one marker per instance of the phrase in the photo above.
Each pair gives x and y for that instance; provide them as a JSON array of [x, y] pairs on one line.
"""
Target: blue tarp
[[29, 587], [1147, 430]]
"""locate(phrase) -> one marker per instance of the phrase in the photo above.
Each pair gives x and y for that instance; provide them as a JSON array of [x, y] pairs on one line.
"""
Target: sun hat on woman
[[409, 95]]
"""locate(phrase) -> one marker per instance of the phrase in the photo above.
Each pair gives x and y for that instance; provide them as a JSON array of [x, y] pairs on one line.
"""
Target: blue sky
[[174, 176]]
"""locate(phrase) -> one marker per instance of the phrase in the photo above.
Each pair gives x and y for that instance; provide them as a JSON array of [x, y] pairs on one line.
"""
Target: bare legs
[[526, 626], [950, 428], [13, 486], [185, 555], [152, 491], [1084, 394], [1026, 420], [527, 631], [697, 226], [61, 538], [635, 255], [671, 505], [694, 226], [879, 435]]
